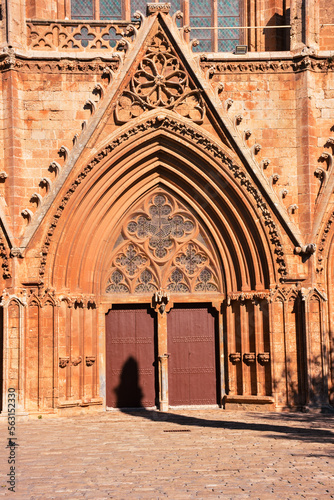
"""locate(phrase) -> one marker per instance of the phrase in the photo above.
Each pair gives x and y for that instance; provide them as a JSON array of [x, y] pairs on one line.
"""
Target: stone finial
[[36, 197], [27, 214], [178, 15], [320, 173], [130, 30], [46, 182], [228, 103], [306, 250], [257, 148], [193, 43], [265, 163], [64, 151], [273, 179], [90, 104], [238, 119], [139, 15], [292, 209], [54, 167], [210, 71], [108, 72], [98, 89]]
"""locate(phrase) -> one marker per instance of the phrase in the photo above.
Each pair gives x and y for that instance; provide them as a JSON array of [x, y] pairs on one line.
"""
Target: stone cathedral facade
[[166, 204]]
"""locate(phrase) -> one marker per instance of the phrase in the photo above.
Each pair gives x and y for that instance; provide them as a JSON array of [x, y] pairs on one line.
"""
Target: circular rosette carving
[[117, 283], [191, 106], [206, 281], [177, 282], [128, 107], [146, 282], [159, 80]]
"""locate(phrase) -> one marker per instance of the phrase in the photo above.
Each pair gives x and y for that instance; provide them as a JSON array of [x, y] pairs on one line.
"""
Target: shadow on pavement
[[273, 430]]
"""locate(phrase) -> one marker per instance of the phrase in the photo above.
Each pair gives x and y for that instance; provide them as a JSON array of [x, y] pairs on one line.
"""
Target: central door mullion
[[163, 361]]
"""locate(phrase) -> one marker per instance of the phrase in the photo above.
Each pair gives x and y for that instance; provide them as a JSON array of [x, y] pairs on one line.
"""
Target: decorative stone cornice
[[251, 295], [153, 8], [286, 65], [53, 65]]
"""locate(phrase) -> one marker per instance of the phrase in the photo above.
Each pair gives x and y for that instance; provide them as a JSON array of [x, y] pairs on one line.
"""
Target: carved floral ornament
[[160, 81], [161, 248]]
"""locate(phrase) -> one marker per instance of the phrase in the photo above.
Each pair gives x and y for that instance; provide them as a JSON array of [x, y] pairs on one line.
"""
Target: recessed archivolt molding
[[200, 140]]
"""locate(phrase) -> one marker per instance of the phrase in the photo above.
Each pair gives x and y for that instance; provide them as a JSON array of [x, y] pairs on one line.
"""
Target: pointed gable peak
[[160, 80]]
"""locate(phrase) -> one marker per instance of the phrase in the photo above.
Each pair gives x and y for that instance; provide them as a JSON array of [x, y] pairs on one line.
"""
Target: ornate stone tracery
[[160, 81], [160, 228], [160, 248]]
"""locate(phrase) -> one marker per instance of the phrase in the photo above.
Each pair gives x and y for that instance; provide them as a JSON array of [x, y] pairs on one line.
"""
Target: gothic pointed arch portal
[[181, 355]]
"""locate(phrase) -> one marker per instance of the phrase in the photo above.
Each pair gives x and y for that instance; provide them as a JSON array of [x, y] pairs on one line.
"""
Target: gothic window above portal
[[162, 245], [215, 24]]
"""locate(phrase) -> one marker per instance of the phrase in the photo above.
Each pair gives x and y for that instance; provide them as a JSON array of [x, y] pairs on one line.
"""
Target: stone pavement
[[181, 455]]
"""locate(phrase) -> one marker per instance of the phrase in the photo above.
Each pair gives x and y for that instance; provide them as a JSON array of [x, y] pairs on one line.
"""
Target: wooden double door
[[133, 343]]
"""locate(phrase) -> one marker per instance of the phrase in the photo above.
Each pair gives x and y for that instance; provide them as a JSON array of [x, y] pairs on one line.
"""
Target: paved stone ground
[[180, 455]]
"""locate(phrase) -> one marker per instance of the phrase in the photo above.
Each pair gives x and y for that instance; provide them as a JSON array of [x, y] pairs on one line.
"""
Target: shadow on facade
[[279, 38], [128, 392]]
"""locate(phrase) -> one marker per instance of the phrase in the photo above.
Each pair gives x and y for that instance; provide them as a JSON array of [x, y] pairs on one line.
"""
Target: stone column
[[163, 359], [163, 382]]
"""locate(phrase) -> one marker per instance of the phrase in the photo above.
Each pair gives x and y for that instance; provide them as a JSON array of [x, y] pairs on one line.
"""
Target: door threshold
[[138, 408], [195, 407]]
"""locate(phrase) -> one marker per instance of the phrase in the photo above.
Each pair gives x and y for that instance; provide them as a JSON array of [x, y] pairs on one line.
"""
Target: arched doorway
[[163, 246]]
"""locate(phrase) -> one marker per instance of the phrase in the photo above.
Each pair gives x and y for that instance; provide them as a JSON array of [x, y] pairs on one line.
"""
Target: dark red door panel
[[192, 362], [130, 374]]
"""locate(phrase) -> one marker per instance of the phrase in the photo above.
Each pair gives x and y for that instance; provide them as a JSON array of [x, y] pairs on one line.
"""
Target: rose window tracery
[[160, 81], [162, 246], [160, 228]]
